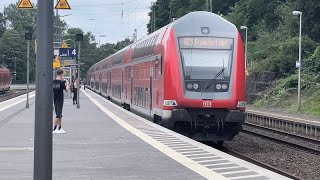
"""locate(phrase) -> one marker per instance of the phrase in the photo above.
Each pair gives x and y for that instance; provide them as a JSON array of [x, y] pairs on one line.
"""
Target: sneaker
[[56, 131], [61, 131]]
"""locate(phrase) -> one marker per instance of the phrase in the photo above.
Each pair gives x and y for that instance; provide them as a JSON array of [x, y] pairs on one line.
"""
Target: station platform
[[103, 141], [22, 86], [283, 115]]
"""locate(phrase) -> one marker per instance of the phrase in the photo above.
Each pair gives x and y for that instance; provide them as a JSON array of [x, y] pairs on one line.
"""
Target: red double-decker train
[[188, 76], [4, 79]]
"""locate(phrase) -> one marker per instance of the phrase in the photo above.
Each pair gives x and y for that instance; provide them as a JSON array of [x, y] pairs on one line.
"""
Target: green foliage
[[2, 25], [284, 95], [161, 8], [21, 20], [166, 10]]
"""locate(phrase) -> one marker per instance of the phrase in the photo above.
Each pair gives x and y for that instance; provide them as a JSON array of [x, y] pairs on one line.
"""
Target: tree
[[310, 16], [2, 25], [21, 20], [162, 12], [13, 46]]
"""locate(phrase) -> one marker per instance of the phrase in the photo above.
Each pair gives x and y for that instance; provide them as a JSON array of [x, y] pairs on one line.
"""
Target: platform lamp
[[28, 38], [79, 38], [298, 63]]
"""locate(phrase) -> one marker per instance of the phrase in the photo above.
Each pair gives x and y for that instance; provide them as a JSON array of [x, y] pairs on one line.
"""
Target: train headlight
[[189, 86], [195, 86], [241, 104], [224, 86], [170, 103], [218, 86]]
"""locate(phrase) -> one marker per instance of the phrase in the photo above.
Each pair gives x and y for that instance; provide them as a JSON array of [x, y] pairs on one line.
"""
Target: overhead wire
[[105, 4]]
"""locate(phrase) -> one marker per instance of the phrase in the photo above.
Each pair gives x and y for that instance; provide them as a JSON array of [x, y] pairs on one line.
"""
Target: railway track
[[286, 142], [13, 93], [295, 140], [258, 163], [291, 125]]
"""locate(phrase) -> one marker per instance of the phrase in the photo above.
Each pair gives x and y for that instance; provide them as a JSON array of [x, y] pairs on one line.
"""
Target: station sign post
[[79, 38], [28, 37], [42, 169]]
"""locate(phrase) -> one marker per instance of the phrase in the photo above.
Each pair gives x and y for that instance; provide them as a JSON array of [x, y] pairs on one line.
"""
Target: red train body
[[4, 79], [188, 76]]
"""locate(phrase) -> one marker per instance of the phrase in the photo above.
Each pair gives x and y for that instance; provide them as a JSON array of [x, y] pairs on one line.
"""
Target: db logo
[[206, 103]]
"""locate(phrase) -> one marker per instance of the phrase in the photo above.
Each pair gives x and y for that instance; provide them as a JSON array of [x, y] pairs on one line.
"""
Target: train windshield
[[204, 57], [205, 64]]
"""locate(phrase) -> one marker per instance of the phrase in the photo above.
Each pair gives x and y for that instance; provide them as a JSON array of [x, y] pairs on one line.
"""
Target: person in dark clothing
[[58, 98], [75, 91], [84, 84]]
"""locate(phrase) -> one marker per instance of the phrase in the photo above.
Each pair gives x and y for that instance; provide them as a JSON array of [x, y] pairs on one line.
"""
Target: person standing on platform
[[84, 84], [58, 86], [75, 91]]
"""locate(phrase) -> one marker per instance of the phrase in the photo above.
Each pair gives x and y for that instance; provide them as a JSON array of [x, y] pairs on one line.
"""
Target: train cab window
[[161, 65]]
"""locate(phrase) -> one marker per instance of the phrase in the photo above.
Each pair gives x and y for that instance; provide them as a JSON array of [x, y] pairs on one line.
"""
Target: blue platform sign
[[68, 52]]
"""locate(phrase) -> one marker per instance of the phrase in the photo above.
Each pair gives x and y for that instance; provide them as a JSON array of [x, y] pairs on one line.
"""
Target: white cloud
[[103, 17]]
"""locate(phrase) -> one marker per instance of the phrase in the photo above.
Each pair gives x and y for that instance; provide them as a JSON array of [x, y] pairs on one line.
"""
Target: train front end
[[205, 96]]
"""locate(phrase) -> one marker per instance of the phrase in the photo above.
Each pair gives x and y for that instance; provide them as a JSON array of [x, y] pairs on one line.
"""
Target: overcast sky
[[104, 17]]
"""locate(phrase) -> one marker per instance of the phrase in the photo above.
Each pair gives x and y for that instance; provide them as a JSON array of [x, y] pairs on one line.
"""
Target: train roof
[[203, 23], [199, 22]]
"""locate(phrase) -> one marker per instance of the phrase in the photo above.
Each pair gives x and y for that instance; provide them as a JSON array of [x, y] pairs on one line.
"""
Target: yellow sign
[[62, 4], [64, 45], [56, 62], [25, 4]]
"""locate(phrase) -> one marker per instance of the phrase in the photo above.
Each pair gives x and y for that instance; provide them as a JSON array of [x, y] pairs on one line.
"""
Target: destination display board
[[206, 42]]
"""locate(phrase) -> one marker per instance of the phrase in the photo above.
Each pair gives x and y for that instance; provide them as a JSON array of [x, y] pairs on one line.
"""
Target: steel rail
[[298, 146], [258, 163], [306, 138]]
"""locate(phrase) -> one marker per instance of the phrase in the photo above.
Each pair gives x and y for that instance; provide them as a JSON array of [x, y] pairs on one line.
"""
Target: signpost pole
[[28, 55], [78, 102], [79, 38], [42, 169]]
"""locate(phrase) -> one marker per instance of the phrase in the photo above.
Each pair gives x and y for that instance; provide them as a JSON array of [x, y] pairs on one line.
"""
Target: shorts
[[58, 105]]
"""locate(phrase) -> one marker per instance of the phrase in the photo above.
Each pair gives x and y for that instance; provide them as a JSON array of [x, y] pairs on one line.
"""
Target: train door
[[100, 82], [1, 81], [131, 84], [122, 83], [1, 84], [150, 91], [109, 81]]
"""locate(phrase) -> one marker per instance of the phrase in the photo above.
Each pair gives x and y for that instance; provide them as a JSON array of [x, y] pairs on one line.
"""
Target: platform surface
[[104, 141]]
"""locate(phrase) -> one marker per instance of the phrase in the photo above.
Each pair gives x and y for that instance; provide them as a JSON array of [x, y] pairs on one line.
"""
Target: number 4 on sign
[[74, 52]]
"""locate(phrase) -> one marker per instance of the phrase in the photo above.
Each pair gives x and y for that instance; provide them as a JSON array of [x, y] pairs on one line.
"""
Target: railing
[[284, 123]]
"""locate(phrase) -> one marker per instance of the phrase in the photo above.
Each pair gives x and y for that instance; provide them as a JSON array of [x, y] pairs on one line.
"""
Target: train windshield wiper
[[214, 78]]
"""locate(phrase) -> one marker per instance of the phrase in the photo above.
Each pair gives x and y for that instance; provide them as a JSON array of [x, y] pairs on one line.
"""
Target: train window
[[161, 65], [156, 72], [129, 73], [154, 40]]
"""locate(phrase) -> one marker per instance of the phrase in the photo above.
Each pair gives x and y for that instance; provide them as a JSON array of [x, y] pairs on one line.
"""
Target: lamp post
[[297, 13], [15, 69], [28, 37], [79, 38], [246, 46]]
